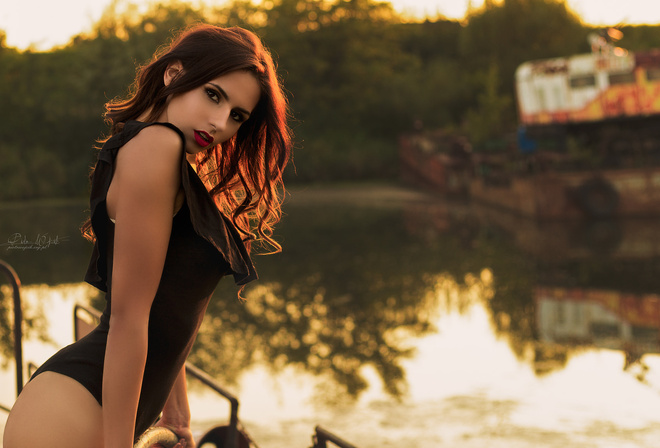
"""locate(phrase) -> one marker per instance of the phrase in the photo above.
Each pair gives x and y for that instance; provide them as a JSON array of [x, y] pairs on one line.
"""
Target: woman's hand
[[182, 431], [176, 413]]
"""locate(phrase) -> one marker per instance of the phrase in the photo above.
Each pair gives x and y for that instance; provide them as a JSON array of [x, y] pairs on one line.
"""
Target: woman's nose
[[220, 118]]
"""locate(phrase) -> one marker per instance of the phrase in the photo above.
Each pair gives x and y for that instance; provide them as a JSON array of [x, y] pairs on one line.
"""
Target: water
[[397, 319]]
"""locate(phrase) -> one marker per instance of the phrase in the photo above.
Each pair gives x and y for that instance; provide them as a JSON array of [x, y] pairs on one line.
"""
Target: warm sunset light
[[43, 24]]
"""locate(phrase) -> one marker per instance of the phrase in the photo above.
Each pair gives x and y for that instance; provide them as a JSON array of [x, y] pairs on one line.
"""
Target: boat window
[[580, 81], [621, 78], [604, 329], [640, 333], [653, 74]]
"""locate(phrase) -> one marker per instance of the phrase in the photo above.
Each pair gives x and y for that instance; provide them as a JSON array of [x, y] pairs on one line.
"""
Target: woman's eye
[[238, 117], [212, 95]]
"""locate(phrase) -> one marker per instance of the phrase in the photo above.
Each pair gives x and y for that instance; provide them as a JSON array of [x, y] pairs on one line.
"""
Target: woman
[[164, 237]]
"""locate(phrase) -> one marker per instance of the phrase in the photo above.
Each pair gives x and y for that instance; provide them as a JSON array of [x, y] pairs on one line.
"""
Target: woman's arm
[[176, 413], [141, 198]]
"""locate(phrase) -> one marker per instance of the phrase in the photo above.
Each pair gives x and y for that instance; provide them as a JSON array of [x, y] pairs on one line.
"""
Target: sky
[[43, 24]]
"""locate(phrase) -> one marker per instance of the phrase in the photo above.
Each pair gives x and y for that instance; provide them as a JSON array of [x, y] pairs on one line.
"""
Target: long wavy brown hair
[[243, 174]]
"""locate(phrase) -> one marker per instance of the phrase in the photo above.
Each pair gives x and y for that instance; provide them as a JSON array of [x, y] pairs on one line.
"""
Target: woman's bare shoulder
[[147, 171], [154, 152], [155, 140]]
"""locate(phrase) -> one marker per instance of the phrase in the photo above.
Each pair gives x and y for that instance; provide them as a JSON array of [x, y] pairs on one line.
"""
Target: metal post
[[232, 430], [18, 321], [323, 436]]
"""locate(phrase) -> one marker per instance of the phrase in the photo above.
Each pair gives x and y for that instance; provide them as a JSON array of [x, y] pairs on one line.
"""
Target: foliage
[[515, 31], [331, 301], [357, 74], [487, 122], [640, 38]]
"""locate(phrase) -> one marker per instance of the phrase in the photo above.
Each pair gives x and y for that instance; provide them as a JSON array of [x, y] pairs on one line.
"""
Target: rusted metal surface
[[588, 88], [549, 66], [650, 58], [625, 240], [557, 195], [440, 163]]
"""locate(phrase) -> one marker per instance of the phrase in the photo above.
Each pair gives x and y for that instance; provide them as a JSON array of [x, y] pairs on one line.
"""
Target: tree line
[[358, 75]]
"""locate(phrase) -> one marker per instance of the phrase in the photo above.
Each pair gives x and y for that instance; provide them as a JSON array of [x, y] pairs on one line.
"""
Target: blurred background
[[471, 255]]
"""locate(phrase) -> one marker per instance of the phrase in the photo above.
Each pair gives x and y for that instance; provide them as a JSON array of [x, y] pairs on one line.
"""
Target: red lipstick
[[203, 138]]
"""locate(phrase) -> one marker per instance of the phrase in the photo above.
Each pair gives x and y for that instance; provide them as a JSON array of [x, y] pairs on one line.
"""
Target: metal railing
[[18, 319], [323, 436]]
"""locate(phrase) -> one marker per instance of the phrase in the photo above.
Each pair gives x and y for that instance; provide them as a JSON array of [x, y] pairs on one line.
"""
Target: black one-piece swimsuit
[[204, 246]]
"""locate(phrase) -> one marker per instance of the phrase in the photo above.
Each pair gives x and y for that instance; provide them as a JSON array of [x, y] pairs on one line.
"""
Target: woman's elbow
[[130, 324]]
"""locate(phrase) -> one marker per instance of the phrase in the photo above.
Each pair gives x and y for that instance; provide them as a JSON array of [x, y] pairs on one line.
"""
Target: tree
[[509, 33]]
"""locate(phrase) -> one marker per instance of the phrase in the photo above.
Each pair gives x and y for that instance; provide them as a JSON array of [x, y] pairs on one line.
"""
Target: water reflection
[[399, 319], [35, 324], [306, 328], [47, 326], [599, 318], [560, 287], [40, 241], [58, 254], [328, 303]]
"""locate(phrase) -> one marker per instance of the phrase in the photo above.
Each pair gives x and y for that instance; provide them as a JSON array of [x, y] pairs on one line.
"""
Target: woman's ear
[[173, 70]]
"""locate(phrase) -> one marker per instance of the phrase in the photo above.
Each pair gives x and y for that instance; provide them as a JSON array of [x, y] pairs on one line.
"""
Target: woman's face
[[212, 113]]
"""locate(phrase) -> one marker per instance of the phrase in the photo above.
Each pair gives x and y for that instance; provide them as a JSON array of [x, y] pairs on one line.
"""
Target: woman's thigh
[[56, 411]]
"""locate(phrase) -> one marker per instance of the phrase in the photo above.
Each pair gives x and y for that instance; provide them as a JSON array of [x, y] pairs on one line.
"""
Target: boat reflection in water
[[599, 318], [395, 319]]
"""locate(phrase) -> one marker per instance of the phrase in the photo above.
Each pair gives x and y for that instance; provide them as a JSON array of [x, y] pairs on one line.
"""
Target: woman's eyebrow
[[226, 97]]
